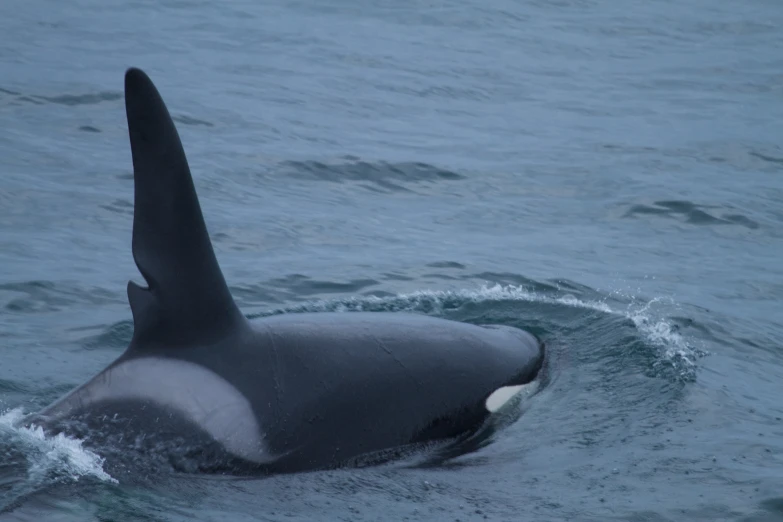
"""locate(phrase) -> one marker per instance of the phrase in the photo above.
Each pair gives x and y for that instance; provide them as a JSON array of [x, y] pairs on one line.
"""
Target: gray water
[[608, 175]]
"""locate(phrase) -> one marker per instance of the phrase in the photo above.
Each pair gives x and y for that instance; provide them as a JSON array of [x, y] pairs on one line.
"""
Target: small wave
[[188, 120], [658, 331], [767, 158], [78, 99], [51, 459], [437, 301]]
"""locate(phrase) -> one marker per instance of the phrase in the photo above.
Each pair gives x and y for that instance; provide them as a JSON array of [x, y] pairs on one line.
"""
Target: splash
[[677, 351], [51, 459]]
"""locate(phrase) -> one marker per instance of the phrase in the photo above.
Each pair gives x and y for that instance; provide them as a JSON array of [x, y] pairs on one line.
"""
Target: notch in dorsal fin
[[187, 298]]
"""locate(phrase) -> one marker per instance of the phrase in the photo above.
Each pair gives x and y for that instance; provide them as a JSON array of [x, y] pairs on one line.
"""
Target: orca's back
[[344, 384]]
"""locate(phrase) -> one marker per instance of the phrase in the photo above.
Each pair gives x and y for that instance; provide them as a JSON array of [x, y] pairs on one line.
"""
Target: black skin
[[325, 387]]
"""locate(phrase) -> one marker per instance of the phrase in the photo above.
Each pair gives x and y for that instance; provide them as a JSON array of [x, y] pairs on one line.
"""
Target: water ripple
[[381, 176], [692, 213]]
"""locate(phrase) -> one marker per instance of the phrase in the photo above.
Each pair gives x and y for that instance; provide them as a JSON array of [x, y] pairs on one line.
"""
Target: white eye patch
[[498, 398]]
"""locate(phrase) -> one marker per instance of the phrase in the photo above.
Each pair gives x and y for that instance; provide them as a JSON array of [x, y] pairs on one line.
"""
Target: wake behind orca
[[285, 393]]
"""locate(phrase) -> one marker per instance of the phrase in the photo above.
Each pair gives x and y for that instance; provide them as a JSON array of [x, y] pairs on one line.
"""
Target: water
[[609, 176]]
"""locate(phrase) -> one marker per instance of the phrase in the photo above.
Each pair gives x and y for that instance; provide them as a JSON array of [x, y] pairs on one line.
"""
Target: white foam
[[55, 455]]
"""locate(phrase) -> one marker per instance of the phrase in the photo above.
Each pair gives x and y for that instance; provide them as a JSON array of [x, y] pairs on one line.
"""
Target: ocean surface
[[608, 175]]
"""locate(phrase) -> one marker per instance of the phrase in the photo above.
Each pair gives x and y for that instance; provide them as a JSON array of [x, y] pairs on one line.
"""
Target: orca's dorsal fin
[[187, 298]]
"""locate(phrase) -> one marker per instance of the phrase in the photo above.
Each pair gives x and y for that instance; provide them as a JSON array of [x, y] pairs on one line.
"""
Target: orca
[[284, 393]]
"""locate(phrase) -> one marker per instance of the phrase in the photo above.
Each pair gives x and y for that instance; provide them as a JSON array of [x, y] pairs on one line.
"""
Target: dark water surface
[[606, 174]]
